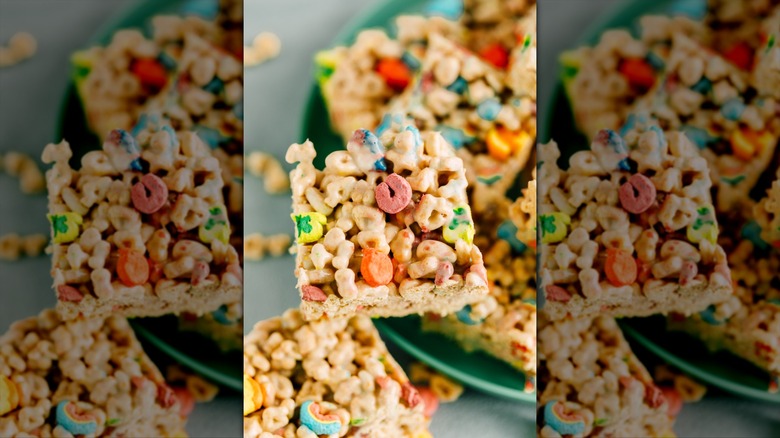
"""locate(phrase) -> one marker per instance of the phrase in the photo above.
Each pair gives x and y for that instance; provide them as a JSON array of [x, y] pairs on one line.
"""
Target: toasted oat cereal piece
[[385, 229], [748, 323], [603, 81], [256, 245], [629, 229], [712, 102], [504, 323], [141, 229], [85, 377], [24, 167], [21, 46], [13, 246], [523, 214], [224, 326], [677, 385], [261, 164], [469, 102], [265, 46], [330, 377], [592, 384], [358, 81]]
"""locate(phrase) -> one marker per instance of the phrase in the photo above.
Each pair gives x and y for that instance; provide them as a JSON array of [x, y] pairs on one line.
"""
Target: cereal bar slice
[[603, 81], [114, 82], [85, 377], [141, 229], [747, 324], [385, 229], [629, 229], [471, 104], [591, 383], [504, 323], [711, 101], [358, 81], [330, 377]]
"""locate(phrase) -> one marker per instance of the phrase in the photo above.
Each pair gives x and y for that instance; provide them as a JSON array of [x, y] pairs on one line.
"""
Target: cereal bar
[[504, 323], [469, 102], [711, 101], [629, 229], [591, 383], [385, 229], [330, 377], [141, 229], [357, 82], [85, 377]]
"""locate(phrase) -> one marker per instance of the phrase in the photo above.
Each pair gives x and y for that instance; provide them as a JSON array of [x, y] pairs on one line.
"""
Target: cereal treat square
[[358, 81], [469, 102], [224, 326], [603, 81], [592, 384], [629, 229], [85, 377], [748, 322], [385, 229], [711, 101], [141, 229], [114, 82], [326, 378], [767, 214], [504, 323]]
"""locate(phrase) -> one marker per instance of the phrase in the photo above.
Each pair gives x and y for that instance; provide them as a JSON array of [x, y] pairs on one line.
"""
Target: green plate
[[722, 369], [189, 349], [477, 370]]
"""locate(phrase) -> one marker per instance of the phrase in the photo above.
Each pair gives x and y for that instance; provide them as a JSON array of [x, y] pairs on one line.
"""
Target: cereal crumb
[[22, 166], [13, 246], [261, 164], [256, 245], [21, 46], [265, 46]]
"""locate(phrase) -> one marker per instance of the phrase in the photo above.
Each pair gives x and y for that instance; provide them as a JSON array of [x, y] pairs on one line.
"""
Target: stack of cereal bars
[[141, 227], [416, 215], [683, 128]]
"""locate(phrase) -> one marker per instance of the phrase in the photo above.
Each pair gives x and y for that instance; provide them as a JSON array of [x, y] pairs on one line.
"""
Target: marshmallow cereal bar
[[326, 378], [385, 229], [141, 229], [629, 229], [84, 377], [592, 384]]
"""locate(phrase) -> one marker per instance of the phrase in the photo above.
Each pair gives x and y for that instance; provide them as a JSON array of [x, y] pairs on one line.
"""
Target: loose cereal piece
[[330, 377], [504, 323], [470, 103], [261, 164], [82, 377], [712, 102], [592, 384], [25, 168], [358, 81], [265, 46], [256, 245], [224, 326], [13, 246], [21, 46], [352, 256], [119, 250], [610, 251]]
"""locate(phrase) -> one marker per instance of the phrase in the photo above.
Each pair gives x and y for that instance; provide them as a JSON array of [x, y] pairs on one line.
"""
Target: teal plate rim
[[381, 15], [71, 125], [558, 114]]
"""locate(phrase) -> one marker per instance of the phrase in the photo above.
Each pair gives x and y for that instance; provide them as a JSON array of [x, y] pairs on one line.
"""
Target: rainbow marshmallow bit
[[70, 417], [319, 423], [65, 226], [308, 226], [367, 151], [216, 227], [122, 150], [556, 417]]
